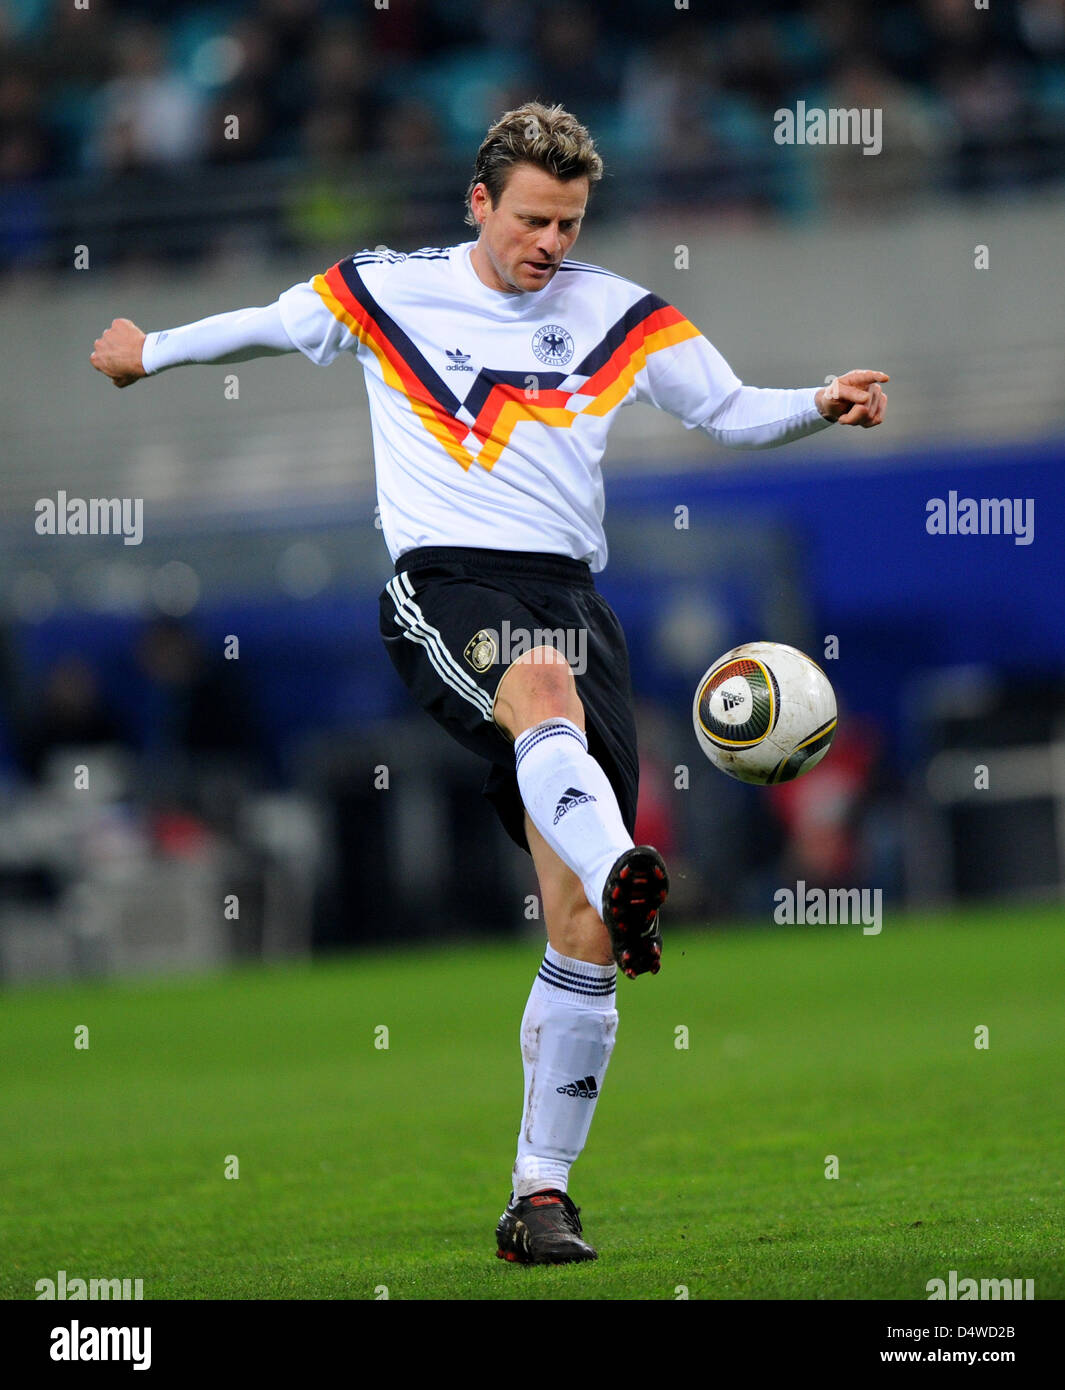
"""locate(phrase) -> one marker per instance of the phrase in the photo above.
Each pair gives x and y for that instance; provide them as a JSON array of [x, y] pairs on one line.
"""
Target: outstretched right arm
[[126, 354], [321, 318]]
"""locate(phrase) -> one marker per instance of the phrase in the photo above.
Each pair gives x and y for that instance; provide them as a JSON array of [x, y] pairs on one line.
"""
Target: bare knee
[[538, 686]]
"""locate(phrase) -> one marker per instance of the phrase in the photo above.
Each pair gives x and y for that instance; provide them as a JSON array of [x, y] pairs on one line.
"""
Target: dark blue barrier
[[859, 563], [899, 599]]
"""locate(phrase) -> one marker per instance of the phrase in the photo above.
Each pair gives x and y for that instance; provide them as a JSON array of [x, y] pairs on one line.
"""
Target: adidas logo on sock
[[571, 797], [583, 1090]]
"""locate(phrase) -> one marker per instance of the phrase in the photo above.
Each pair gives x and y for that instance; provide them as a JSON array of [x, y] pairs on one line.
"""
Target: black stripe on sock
[[590, 988]]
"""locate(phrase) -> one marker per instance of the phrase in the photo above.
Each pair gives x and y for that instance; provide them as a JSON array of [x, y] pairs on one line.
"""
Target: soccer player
[[494, 369]]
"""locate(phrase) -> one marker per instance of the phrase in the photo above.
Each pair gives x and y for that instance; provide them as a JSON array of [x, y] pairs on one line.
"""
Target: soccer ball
[[764, 713]]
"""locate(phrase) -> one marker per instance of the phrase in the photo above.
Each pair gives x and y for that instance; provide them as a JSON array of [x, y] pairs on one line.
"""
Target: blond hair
[[547, 136]]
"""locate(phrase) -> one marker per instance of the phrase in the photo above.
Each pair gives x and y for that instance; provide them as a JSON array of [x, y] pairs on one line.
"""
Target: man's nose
[[551, 243]]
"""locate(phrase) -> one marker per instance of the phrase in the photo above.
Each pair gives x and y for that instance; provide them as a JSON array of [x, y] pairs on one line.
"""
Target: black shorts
[[453, 620]]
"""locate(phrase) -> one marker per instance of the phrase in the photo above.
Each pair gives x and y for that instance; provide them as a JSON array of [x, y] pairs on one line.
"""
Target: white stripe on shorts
[[411, 618]]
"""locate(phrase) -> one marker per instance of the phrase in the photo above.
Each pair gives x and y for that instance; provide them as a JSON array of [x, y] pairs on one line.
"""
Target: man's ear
[[484, 202]]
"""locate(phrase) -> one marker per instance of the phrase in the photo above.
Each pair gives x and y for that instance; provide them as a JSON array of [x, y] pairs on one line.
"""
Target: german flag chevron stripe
[[402, 365], [498, 401]]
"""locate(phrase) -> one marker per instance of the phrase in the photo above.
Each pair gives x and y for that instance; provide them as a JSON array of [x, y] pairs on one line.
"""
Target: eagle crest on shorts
[[480, 651]]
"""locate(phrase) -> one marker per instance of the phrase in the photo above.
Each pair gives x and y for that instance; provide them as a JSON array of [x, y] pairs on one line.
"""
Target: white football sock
[[571, 802], [567, 1036]]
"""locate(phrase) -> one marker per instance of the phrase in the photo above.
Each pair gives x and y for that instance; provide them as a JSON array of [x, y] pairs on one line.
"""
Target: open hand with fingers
[[854, 399]]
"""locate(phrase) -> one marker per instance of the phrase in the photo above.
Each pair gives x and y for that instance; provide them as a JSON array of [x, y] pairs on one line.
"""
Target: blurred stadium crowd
[[128, 95]]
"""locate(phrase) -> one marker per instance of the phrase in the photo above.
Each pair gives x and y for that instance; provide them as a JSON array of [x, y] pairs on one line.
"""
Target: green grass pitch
[[362, 1167]]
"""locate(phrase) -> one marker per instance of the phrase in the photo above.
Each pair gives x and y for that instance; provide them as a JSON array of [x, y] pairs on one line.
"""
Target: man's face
[[526, 234]]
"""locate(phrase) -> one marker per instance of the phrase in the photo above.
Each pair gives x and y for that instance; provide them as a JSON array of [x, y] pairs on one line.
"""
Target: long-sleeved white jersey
[[490, 411]]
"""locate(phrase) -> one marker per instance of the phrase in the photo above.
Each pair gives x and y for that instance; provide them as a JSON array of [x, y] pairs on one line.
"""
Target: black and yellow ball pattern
[[756, 711], [818, 742]]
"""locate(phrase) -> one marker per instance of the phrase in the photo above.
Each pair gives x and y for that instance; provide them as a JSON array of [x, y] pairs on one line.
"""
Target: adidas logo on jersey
[[571, 797], [583, 1090], [460, 361]]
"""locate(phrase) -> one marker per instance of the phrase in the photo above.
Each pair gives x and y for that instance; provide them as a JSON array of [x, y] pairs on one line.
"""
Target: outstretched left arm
[[685, 374], [854, 399], [761, 417]]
